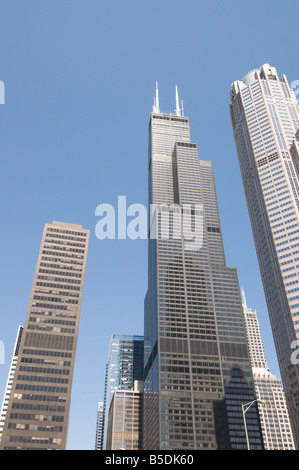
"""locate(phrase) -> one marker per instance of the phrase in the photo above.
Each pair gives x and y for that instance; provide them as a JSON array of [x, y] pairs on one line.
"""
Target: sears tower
[[197, 371]]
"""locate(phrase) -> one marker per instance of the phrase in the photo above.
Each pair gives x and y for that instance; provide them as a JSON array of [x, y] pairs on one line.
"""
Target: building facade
[[124, 430], [38, 409], [125, 365], [274, 415], [197, 371], [265, 119], [10, 378], [100, 427]]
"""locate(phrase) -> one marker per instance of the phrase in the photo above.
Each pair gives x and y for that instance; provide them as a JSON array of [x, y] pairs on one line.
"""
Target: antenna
[[156, 108], [177, 109], [243, 298], [182, 107]]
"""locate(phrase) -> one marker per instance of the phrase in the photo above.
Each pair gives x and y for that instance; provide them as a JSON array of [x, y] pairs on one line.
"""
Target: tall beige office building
[[265, 119], [38, 409], [274, 416], [124, 431]]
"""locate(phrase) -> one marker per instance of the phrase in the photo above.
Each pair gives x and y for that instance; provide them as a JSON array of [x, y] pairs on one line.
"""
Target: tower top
[[179, 111], [243, 298]]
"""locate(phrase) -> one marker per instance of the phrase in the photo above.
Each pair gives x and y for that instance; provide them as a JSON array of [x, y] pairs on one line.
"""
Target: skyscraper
[[197, 370], [124, 431], [274, 416], [265, 118], [38, 409], [125, 365]]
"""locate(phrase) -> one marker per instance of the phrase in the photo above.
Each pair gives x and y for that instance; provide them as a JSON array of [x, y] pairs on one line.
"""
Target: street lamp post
[[245, 408]]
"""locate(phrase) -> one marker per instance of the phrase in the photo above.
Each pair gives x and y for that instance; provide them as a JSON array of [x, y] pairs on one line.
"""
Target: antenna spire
[[243, 298], [177, 109], [156, 108]]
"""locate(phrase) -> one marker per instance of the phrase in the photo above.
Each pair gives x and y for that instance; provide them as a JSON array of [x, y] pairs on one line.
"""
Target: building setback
[[274, 416], [265, 118], [38, 409], [197, 370]]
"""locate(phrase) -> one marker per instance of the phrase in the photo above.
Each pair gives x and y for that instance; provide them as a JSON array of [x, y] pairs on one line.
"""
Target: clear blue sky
[[79, 85]]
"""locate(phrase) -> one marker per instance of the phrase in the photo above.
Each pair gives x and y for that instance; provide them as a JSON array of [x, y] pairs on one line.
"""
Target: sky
[[79, 80]]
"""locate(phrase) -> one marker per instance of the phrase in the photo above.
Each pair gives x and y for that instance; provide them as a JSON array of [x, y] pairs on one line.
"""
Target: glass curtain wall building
[[38, 409], [125, 365], [265, 118], [197, 370]]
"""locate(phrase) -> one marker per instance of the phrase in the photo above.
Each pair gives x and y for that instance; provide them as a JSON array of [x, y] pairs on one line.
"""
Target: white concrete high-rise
[[100, 427], [274, 416], [265, 118], [10, 378]]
